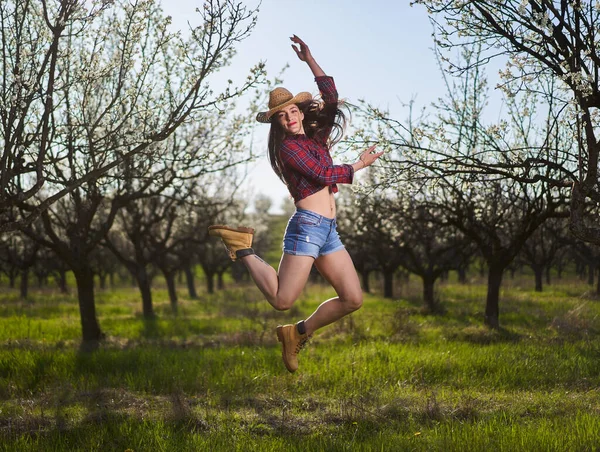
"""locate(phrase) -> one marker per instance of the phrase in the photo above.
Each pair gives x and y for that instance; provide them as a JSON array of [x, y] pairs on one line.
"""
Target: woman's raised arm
[[304, 54]]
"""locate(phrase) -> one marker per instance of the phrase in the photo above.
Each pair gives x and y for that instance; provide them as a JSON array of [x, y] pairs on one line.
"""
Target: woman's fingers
[[368, 156], [369, 151], [298, 51], [302, 50], [297, 40]]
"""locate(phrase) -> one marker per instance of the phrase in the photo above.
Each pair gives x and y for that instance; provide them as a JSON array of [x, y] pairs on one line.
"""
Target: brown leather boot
[[234, 239], [292, 342]]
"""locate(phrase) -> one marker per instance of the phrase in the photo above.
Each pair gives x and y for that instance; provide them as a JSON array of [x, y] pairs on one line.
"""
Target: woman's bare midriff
[[321, 202]]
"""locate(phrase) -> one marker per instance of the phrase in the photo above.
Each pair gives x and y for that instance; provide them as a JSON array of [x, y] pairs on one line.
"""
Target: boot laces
[[300, 345], [229, 250]]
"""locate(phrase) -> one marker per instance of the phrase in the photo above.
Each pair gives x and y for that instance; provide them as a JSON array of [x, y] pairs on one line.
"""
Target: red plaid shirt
[[307, 164]]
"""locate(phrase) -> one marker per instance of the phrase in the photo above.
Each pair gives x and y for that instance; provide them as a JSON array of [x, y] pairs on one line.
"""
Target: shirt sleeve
[[327, 89], [329, 95], [297, 158]]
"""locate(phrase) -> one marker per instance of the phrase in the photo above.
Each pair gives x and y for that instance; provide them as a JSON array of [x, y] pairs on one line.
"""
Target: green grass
[[387, 378]]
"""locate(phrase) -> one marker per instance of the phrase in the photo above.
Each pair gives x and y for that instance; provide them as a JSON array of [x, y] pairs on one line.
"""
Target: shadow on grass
[[483, 335], [38, 307], [408, 322], [101, 430], [152, 328], [100, 407]]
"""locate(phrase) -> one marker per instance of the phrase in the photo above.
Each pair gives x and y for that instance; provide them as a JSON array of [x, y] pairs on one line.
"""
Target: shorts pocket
[[307, 220]]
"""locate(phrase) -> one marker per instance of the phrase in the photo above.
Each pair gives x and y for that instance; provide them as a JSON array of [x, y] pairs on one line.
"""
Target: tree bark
[[428, 292], [102, 278], [143, 282], [24, 287], [539, 273], [210, 282], [591, 270], [189, 278], [365, 280], [170, 279], [388, 283], [220, 282], [87, 308], [462, 274], [492, 309], [12, 276], [61, 280]]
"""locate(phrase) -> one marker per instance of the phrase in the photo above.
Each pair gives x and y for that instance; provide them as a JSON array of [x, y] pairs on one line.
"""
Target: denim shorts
[[311, 234]]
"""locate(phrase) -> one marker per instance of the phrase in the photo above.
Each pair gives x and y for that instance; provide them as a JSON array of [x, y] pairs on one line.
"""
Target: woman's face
[[290, 119]]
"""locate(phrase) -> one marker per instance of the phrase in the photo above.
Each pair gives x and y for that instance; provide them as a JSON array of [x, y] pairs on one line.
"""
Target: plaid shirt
[[307, 164]]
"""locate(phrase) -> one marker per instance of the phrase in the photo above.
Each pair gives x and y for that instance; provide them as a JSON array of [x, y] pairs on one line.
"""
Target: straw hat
[[280, 98]]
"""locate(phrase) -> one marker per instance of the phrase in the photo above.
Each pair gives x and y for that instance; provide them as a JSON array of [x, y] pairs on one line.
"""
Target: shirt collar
[[299, 136]]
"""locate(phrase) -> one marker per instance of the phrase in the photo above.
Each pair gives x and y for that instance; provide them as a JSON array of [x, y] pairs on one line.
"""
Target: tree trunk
[[388, 283], [143, 282], [591, 270], [548, 268], [314, 276], [189, 278], [492, 309], [87, 307], [61, 280], [365, 280], [102, 278], [12, 276], [24, 287], [210, 281], [428, 292], [170, 279], [539, 273], [462, 274]]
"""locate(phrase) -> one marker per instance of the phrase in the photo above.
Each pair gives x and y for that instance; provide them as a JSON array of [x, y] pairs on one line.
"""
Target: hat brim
[[265, 116]]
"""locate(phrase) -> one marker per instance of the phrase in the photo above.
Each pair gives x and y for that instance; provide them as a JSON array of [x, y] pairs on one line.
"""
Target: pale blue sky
[[378, 50]]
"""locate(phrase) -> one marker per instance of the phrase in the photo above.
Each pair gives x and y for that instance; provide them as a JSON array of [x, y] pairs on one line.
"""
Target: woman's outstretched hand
[[368, 157], [302, 50]]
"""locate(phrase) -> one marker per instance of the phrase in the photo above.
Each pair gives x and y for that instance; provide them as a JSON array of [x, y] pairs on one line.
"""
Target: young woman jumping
[[302, 133]]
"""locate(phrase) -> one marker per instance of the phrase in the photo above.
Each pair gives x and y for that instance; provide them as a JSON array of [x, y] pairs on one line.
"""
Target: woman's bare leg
[[338, 269], [281, 288]]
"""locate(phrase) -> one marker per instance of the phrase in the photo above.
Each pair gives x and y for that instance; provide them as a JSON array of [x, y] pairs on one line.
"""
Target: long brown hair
[[325, 122]]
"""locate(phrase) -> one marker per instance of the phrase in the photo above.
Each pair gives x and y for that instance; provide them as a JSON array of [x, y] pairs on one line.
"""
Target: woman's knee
[[282, 303], [354, 301]]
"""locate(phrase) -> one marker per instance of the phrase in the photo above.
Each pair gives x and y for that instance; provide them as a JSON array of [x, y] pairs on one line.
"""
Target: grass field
[[387, 378]]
